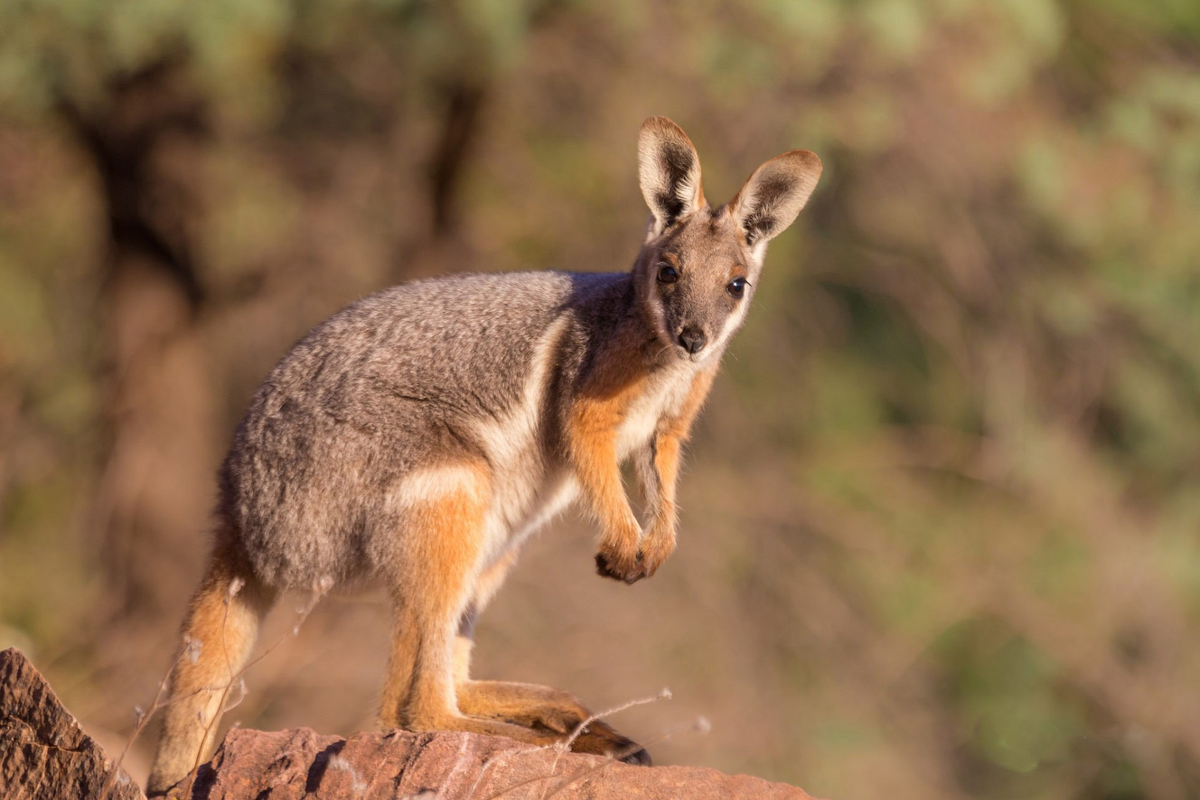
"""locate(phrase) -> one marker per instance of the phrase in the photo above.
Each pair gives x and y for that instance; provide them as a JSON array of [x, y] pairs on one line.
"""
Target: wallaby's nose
[[693, 340]]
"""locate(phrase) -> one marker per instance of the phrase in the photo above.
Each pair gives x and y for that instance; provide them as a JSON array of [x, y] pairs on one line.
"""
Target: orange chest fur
[[628, 406]]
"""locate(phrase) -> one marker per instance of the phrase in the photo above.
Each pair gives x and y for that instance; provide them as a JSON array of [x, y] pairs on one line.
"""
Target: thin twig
[[143, 717], [565, 745], [319, 591], [700, 725], [189, 650]]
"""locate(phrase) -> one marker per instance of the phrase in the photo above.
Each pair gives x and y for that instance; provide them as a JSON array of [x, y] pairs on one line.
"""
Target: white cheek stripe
[[734, 320], [731, 324], [660, 320]]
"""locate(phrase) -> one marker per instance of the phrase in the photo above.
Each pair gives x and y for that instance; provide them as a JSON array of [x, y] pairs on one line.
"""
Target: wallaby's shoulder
[[475, 334], [469, 298], [416, 311]]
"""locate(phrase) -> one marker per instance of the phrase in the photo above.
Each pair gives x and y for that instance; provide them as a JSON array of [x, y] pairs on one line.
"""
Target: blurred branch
[[460, 126], [122, 137]]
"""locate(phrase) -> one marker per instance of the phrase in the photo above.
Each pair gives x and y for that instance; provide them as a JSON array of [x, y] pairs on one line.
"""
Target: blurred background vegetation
[[940, 520]]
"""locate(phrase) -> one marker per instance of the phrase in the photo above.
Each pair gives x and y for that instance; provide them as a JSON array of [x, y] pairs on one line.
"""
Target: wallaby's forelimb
[[591, 435], [658, 474]]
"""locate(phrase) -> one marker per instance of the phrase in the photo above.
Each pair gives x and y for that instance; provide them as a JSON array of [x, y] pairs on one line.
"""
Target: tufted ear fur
[[669, 172], [774, 195]]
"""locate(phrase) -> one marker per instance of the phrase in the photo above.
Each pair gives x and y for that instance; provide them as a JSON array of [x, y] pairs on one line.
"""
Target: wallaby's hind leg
[[542, 708], [222, 622], [539, 708], [442, 539]]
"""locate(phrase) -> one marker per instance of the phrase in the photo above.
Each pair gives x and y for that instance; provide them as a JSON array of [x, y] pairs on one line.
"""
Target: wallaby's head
[[699, 266]]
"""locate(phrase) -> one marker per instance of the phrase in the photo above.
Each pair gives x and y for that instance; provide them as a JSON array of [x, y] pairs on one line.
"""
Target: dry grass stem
[[191, 651], [564, 746], [143, 716]]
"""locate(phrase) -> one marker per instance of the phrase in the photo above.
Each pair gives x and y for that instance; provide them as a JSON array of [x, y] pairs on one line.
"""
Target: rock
[[300, 763], [44, 754]]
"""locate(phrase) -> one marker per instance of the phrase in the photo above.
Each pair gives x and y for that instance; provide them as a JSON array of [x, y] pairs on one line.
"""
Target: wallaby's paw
[[599, 738], [611, 563], [655, 551]]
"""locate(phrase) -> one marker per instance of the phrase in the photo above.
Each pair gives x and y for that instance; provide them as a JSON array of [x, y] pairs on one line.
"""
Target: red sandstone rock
[[44, 754], [287, 765]]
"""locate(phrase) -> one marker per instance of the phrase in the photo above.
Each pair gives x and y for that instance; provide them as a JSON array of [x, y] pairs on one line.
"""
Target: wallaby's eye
[[737, 287], [667, 274]]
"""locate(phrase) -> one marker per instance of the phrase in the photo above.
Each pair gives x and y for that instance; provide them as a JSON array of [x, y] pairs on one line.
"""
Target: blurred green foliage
[[941, 516]]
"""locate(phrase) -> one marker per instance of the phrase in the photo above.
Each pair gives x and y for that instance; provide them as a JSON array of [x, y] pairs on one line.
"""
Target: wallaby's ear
[[669, 172], [774, 195]]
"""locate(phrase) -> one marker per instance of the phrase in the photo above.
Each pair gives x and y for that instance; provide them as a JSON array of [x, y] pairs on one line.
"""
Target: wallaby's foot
[[547, 710], [485, 726], [638, 758], [612, 563], [601, 739], [598, 737]]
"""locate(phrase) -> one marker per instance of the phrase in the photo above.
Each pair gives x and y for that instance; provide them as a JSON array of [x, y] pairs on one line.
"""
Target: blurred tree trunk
[[460, 129], [153, 494]]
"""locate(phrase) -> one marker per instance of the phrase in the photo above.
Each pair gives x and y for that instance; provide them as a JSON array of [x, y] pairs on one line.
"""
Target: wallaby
[[419, 436]]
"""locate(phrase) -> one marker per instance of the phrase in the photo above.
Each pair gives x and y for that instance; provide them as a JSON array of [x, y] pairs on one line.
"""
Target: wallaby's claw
[[610, 567], [601, 739], [639, 759], [656, 550]]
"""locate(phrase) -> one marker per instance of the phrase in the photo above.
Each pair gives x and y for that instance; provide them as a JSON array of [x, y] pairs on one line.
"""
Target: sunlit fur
[[418, 437]]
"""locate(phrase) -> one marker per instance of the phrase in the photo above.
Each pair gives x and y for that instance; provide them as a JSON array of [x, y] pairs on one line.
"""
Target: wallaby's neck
[[620, 320]]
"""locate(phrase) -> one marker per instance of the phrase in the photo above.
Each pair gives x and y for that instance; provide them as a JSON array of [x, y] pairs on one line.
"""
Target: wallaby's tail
[[218, 633]]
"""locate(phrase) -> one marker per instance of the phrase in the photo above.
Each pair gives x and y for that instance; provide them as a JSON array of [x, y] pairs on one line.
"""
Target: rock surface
[[45, 754], [293, 764]]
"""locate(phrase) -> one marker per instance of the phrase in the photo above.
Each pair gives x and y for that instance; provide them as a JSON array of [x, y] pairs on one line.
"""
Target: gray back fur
[[388, 385], [401, 380]]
